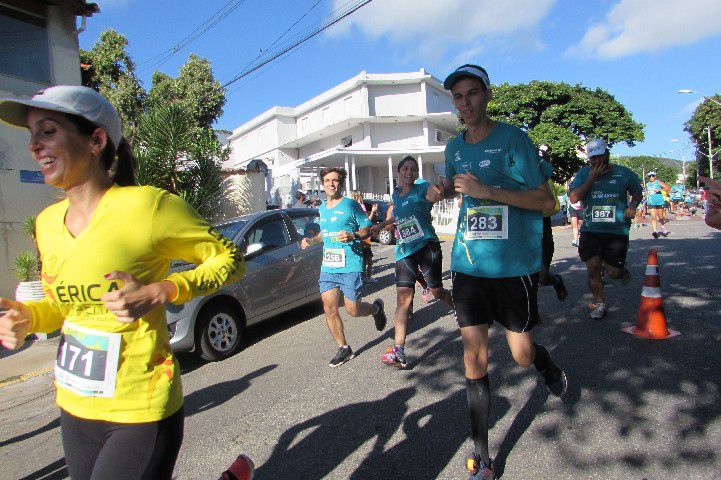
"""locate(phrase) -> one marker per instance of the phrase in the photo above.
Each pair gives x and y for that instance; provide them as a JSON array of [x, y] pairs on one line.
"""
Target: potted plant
[[27, 268]]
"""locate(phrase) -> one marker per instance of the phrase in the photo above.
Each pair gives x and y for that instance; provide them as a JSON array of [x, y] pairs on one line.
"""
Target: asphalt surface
[[636, 409]]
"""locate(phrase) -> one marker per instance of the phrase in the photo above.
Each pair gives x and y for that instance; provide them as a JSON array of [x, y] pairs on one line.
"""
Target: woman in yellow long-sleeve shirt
[[105, 251]]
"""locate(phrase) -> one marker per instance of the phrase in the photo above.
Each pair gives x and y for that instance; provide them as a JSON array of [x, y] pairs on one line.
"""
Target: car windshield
[[230, 230]]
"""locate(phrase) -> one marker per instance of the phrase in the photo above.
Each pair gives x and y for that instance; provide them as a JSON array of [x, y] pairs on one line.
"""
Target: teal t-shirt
[[654, 199], [413, 220], [678, 192], [607, 200], [494, 240], [339, 257]]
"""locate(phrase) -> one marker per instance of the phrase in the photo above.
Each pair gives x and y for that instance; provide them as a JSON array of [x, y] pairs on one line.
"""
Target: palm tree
[[175, 154]]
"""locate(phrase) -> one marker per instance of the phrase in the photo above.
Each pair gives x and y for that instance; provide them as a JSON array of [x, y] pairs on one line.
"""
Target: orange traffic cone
[[651, 321]]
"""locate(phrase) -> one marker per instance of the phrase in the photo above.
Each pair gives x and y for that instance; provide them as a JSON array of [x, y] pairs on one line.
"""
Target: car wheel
[[385, 237], [219, 331]]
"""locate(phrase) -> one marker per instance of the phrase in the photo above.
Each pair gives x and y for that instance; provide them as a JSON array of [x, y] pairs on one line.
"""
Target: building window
[[326, 115], [348, 105], [24, 46], [436, 102], [304, 125]]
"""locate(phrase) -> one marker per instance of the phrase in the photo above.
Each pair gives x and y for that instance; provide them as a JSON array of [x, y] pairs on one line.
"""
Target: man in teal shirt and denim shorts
[[604, 189], [342, 225], [496, 253]]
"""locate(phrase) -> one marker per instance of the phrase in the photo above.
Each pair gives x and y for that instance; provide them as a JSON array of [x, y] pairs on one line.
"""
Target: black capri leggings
[[98, 450]]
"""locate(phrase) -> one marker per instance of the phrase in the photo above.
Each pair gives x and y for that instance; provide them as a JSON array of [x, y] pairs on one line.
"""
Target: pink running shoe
[[394, 357], [427, 296], [241, 469]]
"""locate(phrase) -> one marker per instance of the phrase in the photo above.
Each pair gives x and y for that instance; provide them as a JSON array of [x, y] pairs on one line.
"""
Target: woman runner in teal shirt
[[417, 250]]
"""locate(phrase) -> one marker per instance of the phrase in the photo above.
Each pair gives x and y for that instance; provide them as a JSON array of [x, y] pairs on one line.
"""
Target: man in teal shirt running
[[604, 188], [496, 253], [343, 224]]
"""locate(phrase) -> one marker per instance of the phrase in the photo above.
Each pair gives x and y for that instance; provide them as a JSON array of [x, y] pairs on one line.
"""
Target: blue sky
[[641, 51]]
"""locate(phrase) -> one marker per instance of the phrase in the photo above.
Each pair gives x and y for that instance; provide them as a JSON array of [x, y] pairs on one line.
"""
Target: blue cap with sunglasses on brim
[[465, 71]]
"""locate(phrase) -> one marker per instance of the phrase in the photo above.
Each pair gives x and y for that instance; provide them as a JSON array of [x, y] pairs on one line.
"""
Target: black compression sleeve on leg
[[540, 360], [478, 394]]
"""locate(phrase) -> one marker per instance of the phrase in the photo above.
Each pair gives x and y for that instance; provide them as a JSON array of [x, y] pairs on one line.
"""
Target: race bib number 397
[[603, 214], [87, 361], [487, 222]]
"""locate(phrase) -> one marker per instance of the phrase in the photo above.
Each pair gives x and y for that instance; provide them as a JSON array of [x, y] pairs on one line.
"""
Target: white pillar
[[420, 166], [355, 178], [390, 173], [347, 180]]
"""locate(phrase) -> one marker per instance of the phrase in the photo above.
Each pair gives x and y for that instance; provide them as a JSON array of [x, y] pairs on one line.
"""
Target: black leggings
[[98, 450]]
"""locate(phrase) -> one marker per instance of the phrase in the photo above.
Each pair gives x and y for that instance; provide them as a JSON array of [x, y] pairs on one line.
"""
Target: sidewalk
[[33, 358]]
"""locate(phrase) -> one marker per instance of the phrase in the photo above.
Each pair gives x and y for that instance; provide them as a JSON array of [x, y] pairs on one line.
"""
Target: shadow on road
[[19, 438], [55, 471]]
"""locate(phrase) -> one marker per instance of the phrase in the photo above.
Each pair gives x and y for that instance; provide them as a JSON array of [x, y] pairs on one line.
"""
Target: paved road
[[636, 409]]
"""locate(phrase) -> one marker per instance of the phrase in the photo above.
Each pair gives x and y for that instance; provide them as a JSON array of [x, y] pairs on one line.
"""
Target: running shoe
[[665, 234], [574, 243], [241, 469], [344, 354], [478, 469], [599, 311], [394, 357], [655, 235], [380, 316], [427, 296], [560, 288]]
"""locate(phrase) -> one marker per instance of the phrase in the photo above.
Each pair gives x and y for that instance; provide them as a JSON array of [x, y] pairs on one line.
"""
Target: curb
[[25, 376]]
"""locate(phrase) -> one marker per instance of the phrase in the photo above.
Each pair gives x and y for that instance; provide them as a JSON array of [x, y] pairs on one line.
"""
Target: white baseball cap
[[596, 147], [73, 99], [651, 174]]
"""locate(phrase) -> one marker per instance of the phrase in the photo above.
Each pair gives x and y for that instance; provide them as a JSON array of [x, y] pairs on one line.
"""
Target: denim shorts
[[350, 284]]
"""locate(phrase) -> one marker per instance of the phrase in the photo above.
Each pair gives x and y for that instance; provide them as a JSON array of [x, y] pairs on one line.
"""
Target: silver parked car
[[279, 277]]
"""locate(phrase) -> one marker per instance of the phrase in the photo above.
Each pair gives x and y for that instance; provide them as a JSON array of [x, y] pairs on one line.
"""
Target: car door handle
[[293, 258]]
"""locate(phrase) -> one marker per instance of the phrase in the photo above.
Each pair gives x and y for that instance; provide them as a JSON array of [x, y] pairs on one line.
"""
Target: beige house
[[39, 48]]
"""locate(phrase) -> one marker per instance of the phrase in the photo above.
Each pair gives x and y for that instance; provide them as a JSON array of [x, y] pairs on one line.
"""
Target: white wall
[[397, 135], [328, 113], [21, 200], [330, 142], [392, 100], [438, 101]]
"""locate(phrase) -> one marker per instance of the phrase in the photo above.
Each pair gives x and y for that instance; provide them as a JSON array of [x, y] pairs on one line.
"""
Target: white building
[[366, 124], [39, 48]]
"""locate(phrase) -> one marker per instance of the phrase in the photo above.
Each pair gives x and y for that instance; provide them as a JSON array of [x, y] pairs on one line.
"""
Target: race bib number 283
[[487, 222], [87, 361]]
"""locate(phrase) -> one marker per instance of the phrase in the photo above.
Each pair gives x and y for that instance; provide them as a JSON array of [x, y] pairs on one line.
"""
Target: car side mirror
[[253, 249]]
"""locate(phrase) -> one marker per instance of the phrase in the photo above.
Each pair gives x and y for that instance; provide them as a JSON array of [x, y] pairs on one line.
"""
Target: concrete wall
[[438, 101], [242, 194], [394, 100], [397, 135], [20, 200], [331, 141]]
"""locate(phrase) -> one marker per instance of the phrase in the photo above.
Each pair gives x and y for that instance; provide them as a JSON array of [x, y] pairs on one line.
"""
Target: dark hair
[[119, 163], [342, 174], [407, 158]]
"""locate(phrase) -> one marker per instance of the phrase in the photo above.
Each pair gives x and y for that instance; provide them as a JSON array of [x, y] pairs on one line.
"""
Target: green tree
[[563, 116], [172, 155], [110, 70], [707, 114], [643, 164]]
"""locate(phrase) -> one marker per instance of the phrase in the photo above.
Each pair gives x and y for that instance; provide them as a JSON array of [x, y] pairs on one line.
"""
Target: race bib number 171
[[87, 361]]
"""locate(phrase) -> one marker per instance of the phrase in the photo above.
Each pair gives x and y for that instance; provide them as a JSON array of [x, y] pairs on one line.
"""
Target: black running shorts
[[611, 247], [428, 262], [573, 213], [512, 301], [547, 246]]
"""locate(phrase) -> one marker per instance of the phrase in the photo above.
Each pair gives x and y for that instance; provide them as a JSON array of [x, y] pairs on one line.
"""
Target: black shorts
[[573, 213], [428, 262], [123, 451], [547, 246], [612, 248], [512, 301]]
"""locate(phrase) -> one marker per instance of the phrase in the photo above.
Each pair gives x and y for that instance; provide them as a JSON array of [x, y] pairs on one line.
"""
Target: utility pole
[[710, 153]]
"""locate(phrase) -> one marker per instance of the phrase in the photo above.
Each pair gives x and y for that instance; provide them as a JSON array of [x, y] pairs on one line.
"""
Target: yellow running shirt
[[105, 369]]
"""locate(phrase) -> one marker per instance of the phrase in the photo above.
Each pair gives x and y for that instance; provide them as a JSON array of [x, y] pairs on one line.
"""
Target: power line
[[322, 27], [202, 29]]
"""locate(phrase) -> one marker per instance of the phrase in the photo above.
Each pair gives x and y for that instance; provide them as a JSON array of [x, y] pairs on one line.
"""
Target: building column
[[390, 173], [355, 177], [420, 166], [347, 180]]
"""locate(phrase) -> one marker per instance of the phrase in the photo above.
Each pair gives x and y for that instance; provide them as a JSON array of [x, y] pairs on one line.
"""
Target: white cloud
[[636, 26], [429, 28]]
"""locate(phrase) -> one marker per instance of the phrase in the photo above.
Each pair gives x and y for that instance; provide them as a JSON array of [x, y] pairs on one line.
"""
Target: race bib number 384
[[410, 230], [487, 222], [87, 361]]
